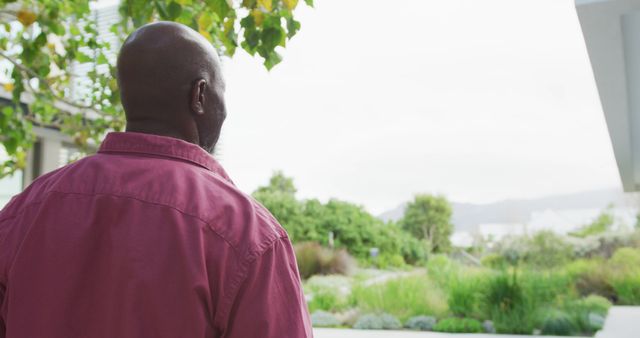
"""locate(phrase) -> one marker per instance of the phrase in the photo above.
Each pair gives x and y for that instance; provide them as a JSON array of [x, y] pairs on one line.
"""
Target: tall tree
[[279, 183], [279, 197], [429, 218], [41, 41]]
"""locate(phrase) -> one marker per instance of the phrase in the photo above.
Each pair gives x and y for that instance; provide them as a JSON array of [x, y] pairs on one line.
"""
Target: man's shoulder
[[32, 194], [245, 223], [192, 190], [183, 187]]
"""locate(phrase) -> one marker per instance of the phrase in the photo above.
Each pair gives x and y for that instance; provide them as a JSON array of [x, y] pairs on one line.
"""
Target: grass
[[464, 294], [403, 297]]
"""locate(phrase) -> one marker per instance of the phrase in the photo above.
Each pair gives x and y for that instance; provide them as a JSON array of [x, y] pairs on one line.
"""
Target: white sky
[[376, 101]]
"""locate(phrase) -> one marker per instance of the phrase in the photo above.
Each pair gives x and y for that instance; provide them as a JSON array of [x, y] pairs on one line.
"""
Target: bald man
[[149, 238]]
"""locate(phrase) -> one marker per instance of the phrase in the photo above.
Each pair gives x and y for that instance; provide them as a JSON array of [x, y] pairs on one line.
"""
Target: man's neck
[[157, 128]]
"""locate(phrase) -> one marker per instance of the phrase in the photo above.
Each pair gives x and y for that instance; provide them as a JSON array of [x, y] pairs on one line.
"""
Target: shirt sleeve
[[270, 303]]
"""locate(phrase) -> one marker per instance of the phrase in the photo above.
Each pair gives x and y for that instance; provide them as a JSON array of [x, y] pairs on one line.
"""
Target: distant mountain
[[466, 216]]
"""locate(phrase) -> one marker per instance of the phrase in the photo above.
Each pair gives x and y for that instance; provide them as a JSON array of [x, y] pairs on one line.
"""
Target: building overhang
[[611, 31]]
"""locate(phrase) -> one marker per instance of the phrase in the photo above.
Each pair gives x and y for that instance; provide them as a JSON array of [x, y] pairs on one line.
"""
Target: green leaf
[[102, 59], [28, 54], [293, 27], [251, 35], [272, 37], [173, 10], [7, 111], [273, 59], [74, 30], [187, 17], [229, 38], [162, 10], [309, 2], [41, 40], [205, 21], [10, 145], [220, 7], [83, 58], [57, 28]]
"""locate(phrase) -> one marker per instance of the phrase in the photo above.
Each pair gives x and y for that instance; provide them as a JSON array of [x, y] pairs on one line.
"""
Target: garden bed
[[451, 297]]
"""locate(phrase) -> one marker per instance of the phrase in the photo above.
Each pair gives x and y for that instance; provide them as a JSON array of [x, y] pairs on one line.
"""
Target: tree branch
[[43, 80]]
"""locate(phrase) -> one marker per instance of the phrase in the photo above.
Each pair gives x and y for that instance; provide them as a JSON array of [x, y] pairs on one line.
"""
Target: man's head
[[171, 84]]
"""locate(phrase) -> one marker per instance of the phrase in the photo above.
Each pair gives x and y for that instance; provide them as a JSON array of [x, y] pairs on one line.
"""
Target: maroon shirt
[[149, 238]]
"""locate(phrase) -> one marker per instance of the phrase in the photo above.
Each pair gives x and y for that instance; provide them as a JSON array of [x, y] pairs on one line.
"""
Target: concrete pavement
[[346, 333], [622, 322]]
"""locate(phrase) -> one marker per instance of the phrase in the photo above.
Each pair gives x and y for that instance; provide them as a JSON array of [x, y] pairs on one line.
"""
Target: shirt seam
[[240, 278], [208, 224]]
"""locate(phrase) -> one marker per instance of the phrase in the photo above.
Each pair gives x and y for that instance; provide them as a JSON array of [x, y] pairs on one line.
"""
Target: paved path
[[622, 322], [338, 333], [393, 275]]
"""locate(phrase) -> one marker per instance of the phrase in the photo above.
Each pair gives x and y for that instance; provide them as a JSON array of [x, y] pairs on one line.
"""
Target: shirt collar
[[139, 143]]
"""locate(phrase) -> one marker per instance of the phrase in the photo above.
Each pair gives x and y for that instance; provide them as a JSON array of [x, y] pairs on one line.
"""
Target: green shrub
[[513, 301], [558, 323], [324, 319], [588, 313], [325, 300], [402, 297], [495, 261], [459, 325], [596, 304], [626, 257], [547, 249], [421, 323], [464, 294], [544, 249], [413, 250], [542, 288], [441, 269], [383, 321], [625, 275], [368, 322], [389, 322], [504, 302], [627, 287], [388, 261], [590, 277]]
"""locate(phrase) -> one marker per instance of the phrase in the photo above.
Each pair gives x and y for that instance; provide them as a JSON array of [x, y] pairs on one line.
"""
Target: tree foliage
[[601, 224], [42, 41], [353, 228], [543, 249], [429, 218]]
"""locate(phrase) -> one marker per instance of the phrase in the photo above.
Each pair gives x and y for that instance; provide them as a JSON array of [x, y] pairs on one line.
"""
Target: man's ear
[[197, 96]]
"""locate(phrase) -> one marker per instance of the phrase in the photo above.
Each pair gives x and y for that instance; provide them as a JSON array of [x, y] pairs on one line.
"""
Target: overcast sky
[[376, 101]]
